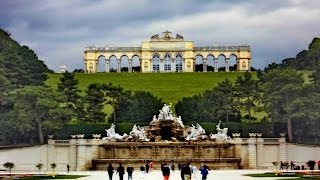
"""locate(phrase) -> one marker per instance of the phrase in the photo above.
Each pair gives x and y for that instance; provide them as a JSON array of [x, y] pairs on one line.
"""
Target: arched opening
[[124, 63], [156, 63], [221, 63], [233, 62], [210, 63], [101, 64], [113, 65], [179, 63], [167, 63], [136, 63], [198, 63]]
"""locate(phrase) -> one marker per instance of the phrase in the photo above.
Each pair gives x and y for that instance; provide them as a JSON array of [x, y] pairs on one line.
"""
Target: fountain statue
[[221, 134], [111, 134], [196, 132], [139, 132]]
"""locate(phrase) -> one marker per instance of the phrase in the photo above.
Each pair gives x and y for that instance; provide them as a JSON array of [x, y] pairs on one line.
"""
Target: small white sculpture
[[139, 132], [196, 132], [222, 134], [179, 120], [111, 134]]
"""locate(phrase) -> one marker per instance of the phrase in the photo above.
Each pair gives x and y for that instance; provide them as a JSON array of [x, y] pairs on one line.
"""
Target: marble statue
[[111, 134], [196, 132], [139, 132], [221, 134], [179, 120]]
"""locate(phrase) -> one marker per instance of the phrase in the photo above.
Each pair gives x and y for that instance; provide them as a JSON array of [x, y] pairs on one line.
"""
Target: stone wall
[[255, 152]]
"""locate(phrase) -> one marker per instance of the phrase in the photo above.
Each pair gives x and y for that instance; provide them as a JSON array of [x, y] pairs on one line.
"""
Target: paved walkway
[[175, 175]]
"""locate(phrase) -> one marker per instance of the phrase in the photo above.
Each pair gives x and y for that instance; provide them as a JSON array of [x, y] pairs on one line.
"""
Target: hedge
[[267, 129]]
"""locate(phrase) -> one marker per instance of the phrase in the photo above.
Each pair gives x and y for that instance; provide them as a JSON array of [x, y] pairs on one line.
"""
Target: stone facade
[[254, 153], [167, 54]]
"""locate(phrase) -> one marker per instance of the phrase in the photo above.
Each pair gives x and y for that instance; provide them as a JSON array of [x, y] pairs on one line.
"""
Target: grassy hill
[[171, 87]]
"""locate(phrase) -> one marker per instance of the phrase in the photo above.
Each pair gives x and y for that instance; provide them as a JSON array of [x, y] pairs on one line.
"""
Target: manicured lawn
[[171, 87]]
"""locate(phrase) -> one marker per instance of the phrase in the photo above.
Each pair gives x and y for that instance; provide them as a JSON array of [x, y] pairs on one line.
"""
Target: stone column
[[282, 148], [119, 66], [183, 64], [249, 65], [237, 141], [81, 154], [86, 70], [204, 64], [73, 155], [259, 151], [51, 153], [216, 65], [227, 64], [173, 65], [96, 66], [252, 151], [130, 65], [161, 66], [107, 65]]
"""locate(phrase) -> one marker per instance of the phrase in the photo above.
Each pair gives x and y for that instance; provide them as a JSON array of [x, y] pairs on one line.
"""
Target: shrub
[[9, 165]]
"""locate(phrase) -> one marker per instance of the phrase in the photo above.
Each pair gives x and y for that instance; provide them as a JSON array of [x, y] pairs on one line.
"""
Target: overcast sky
[[59, 30]]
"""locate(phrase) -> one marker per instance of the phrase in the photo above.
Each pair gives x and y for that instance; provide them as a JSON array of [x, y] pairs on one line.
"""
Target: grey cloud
[[59, 30]]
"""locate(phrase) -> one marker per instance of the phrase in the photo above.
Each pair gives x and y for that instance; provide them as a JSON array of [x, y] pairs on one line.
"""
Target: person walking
[[143, 171], [68, 168], [147, 167], [120, 171], [165, 171], [204, 172], [130, 171], [186, 172], [110, 171]]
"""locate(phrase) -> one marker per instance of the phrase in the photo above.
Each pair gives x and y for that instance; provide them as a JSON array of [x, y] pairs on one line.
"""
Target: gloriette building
[[167, 53]]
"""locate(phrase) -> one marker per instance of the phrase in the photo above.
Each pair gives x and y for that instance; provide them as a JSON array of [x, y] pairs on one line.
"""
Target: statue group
[[195, 132]]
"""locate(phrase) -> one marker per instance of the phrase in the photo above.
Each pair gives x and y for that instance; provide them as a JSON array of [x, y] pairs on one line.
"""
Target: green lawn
[[171, 87]]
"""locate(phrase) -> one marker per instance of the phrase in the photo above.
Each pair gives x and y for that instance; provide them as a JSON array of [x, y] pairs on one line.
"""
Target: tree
[[4, 87], [139, 107], [94, 100], [9, 165], [192, 108], [113, 94], [247, 89], [37, 108], [53, 166], [315, 77], [227, 92], [39, 167], [280, 88], [68, 87]]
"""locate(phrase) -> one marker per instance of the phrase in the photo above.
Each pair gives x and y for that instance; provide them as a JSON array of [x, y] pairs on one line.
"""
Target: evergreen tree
[[139, 107], [113, 95], [94, 100], [36, 109], [247, 89]]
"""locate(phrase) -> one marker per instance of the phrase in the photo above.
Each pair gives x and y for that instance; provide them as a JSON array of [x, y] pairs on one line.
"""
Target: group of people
[[121, 170], [186, 171]]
